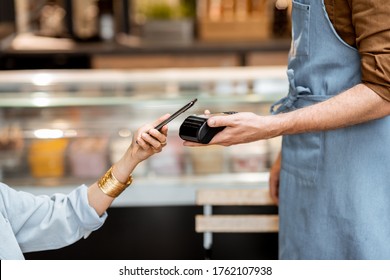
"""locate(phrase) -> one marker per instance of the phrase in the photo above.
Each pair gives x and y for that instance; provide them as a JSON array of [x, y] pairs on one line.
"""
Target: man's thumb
[[218, 121]]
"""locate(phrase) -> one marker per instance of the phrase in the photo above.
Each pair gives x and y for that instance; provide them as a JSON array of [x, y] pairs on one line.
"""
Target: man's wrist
[[278, 125]]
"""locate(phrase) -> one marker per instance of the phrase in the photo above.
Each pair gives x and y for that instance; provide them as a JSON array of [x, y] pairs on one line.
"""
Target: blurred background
[[78, 77]]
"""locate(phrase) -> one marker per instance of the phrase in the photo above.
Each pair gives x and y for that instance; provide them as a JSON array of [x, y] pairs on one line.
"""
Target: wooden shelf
[[137, 54]]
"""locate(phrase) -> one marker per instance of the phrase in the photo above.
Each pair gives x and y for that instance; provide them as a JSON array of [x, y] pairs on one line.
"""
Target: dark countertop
[[32, 52], [129, 46]]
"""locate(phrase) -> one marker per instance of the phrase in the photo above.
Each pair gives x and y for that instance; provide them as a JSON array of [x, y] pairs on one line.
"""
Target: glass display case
[[63, 128]]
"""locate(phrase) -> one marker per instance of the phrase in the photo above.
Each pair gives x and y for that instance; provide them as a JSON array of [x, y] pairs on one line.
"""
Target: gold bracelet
[[111, 186]]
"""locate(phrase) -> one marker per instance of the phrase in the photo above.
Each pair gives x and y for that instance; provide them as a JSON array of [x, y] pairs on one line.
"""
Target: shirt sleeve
[[372, 27], [44, 223]]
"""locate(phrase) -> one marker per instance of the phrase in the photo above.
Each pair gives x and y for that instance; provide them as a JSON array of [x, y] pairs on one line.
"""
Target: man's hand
[[240, 128], [274, 179]]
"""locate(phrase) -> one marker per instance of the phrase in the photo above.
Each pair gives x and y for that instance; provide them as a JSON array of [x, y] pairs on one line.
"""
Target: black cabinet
[[161, 233]]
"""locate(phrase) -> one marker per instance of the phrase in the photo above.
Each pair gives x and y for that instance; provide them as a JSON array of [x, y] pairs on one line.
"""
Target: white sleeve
[[43, 222]]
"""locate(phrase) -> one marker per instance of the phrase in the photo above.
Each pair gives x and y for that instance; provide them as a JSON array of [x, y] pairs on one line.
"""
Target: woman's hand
[[148, 141]]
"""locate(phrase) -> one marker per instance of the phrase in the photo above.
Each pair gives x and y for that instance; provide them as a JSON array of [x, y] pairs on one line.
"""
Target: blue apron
[[335, 187]]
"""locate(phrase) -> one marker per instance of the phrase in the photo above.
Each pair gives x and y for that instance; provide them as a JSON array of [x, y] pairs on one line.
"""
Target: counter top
[[164, 191]]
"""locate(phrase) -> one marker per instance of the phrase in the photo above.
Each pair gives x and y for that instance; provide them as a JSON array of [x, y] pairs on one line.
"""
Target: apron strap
[[287, 103]]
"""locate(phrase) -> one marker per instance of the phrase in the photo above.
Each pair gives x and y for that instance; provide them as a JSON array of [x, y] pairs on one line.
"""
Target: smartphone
[[177, 113]]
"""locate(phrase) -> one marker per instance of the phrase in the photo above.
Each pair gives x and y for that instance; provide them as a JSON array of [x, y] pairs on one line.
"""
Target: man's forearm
[[356, 105]]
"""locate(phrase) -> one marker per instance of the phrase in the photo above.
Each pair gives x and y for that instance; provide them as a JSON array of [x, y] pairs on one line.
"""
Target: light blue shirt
[[35, 223]]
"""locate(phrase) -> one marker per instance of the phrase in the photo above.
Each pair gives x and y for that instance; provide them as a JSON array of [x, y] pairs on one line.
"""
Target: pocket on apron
[[300, 30], [301, 155]]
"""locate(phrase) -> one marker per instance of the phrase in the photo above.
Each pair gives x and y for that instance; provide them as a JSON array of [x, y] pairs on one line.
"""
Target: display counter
[[60, 129]]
